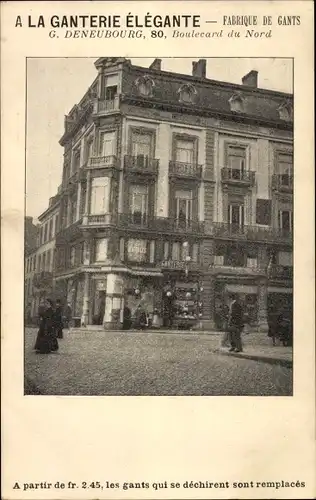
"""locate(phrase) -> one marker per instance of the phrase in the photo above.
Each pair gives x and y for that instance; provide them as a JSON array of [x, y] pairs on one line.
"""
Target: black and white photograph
[[159, 226]]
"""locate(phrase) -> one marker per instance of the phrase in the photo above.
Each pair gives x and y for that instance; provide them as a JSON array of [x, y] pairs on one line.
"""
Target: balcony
[[282, 183], [238, 177], [96, 162], [255, 233], [102, 106], [99, 220], [141, 164], [159, 224], [185, 170]]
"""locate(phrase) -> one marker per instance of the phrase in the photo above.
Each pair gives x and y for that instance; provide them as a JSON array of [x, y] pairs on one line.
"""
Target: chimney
[[199, 68], [250, 79], [156, 64]]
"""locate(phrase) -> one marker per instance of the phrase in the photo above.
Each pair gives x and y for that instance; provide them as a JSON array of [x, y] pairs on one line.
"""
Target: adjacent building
[[177, 191]]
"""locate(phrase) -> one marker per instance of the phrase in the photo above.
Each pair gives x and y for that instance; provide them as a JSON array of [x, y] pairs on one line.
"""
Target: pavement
[[93, 362]]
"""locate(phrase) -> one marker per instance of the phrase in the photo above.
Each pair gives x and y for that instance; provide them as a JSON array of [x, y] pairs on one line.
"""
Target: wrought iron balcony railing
[[180, 265], [238, 176], [278, 271], [102, 106], [141, 164], [187, 170], [102, 162], [247, 232], [160, 224], [282, 182]]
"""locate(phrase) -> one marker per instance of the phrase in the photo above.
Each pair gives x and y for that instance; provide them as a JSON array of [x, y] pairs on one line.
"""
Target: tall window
[[286, 220], [139, 203], [89, 148], [72, 256], [44, 261], [48, 260], [142, 145], [100, 191], [236, 158], [183, 207], [185, 151], [76, 160], [236, 214], [107, 143], [285, 168], [111, 83], [101, 248]]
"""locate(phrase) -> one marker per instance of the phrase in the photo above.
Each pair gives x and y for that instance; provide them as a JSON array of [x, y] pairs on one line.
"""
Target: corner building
[[176, 192]]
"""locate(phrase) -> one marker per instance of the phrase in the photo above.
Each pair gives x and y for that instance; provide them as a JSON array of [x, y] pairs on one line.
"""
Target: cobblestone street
[[148, 363]]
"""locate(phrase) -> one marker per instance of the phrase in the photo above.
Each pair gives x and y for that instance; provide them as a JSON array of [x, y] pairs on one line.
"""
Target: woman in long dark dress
[[58, 320], [46, 341]]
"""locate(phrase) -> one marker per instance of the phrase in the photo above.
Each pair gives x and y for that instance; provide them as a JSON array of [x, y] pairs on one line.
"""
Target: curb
[[287, 363]]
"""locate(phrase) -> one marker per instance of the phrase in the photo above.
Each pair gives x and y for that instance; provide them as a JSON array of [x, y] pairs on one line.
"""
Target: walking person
[[236, 324], [46, 340], [58, 320], [224, 316], [68, 316]]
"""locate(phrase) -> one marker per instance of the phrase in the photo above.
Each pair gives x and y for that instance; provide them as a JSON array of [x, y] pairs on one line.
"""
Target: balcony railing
[[282, 182], [99, 220], [246, 232], [187, 170], [141, 164], [160, 224], [102, 162], [102, 106], [238, 176]]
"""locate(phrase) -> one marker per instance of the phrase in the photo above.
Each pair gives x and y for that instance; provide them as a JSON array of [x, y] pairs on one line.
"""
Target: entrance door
[[99, 307]]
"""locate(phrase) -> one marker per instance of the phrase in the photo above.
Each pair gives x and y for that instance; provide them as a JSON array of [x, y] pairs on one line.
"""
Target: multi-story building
[[177, 191], [43, 278], [30, 232]]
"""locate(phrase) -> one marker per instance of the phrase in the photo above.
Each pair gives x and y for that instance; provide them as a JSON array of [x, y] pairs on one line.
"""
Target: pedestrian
[[156, 319], [68, 316], [141, 318], [226, 337], [236, 324], [46, 340], [58, 320], [127, 322]]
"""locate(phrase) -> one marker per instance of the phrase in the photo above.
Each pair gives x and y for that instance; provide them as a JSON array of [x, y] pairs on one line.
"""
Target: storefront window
[[101, 247]]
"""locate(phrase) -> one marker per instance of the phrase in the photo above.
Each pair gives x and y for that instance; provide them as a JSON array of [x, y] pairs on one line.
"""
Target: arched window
[[145, 85], [187, 93], [236, 103]]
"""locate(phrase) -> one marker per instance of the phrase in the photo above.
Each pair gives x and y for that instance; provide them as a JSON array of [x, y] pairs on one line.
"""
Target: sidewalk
[[257, 346]]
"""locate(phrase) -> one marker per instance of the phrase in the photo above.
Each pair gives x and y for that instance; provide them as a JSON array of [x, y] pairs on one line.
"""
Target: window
[[285, 259], [39, 263], [285, 169], [263, 212], [236, 214], [111, 83], [44, 261], [234, 256], [195, 252], [286, 220], [76, 160], [107, 143], [183, 207], [187, 93], [139, 203], [142, 145], [45, 232], [152, 252], [122, 249], [89, 148], [252, 262], [100, 195], [236, 103], [137, 250], [101, 249], [72, 256], [185, 151], [176, 251], [166, 250], [73, 210], [236, 159]]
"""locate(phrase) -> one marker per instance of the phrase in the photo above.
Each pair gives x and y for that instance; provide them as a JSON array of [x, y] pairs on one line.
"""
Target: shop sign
[[137, 250]]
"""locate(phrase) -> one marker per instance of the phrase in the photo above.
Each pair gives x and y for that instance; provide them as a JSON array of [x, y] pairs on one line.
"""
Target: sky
[[54, 85]]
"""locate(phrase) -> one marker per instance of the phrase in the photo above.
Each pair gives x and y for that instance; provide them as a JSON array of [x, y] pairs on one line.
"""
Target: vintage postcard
[[157, 164]]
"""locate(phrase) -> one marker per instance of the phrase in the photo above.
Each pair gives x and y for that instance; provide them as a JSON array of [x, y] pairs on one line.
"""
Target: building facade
[[177, 191], [43, 260]]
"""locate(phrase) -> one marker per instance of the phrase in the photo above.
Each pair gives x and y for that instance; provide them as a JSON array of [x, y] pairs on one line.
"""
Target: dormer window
[[236, 103], [145, 85], [187, 93], [285, 111]]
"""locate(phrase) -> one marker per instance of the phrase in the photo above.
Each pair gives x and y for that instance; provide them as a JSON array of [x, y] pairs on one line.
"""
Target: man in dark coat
[[236, 324], [58, 320]]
